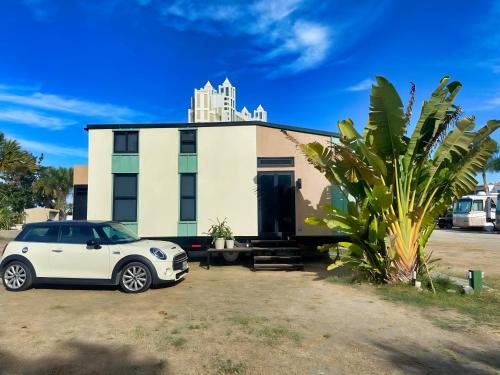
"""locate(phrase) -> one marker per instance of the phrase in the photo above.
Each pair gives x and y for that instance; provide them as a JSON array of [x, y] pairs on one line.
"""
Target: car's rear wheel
[[17, 277], [135, 278]]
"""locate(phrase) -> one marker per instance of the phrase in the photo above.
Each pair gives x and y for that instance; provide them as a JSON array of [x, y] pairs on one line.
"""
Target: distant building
[[210, 105], [492, 188]]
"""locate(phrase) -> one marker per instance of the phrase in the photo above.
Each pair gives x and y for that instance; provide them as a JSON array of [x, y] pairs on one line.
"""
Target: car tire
[[17, 277], [135, 277], [449, 226]]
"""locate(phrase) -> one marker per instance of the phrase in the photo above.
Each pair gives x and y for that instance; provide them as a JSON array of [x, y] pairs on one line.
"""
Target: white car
[[91, 253]]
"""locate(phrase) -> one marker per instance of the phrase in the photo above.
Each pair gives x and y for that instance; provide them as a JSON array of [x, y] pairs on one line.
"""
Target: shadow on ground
[[443, 360], [82, 358]]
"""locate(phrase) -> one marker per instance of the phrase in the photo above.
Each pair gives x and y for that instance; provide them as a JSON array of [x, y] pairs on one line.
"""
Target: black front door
[[276, 204]]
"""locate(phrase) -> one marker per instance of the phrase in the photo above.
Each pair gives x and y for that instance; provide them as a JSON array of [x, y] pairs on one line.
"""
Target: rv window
[[477, 206], [463, 206]]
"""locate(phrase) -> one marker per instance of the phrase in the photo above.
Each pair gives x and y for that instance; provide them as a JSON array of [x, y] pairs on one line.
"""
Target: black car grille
[[178, 260]]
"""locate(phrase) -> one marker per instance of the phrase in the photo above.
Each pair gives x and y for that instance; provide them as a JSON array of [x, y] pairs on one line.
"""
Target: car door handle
[[57, 251]]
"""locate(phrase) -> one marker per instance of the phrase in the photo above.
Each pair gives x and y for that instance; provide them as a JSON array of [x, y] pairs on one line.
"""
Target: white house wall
[[100, 179], [227, 166], [158, 193]]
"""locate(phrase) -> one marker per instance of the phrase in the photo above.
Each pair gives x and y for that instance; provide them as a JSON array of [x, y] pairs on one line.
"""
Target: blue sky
[[66, 63]]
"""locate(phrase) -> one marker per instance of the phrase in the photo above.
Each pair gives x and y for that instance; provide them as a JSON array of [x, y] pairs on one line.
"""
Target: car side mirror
[[93, 244]]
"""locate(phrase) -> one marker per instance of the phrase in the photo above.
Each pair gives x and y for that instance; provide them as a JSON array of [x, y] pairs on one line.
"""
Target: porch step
[[276, 257], [278, 266], [273, 243]]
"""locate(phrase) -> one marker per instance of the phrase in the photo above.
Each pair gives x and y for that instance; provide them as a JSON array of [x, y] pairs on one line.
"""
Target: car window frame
[[59, 238], [19, 237]]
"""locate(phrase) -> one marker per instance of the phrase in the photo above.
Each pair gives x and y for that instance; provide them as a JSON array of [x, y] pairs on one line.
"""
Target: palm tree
[[492, 165], [400, 183], [13, 158], [54, 185]]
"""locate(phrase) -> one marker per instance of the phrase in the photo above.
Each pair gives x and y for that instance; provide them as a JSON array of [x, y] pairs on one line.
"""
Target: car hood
[[170, 248]]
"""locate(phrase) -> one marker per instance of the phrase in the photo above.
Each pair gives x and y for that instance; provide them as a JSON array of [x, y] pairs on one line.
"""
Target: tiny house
[[171, 181]]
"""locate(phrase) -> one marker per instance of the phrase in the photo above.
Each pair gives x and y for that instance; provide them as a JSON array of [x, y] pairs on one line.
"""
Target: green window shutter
[[188, 163], [126, 163]]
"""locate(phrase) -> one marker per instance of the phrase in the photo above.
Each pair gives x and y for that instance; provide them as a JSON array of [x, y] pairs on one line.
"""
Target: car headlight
[[158, 253]]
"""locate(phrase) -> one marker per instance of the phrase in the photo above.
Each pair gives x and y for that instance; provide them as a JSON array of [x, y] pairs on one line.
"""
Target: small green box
[[476, 279]]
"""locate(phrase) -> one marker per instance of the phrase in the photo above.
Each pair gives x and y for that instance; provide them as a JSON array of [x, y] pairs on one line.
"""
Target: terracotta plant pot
[[219, 243]]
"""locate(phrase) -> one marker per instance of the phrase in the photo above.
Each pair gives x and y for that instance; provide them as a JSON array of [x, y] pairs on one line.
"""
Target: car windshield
[[463, 206], [119, 233]]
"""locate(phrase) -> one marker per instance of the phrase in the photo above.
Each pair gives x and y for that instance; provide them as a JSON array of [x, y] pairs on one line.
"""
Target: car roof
[[69, 222]]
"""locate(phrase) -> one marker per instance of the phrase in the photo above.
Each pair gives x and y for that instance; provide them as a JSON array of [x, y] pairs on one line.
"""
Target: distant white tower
[[259, 114], [209, 105]]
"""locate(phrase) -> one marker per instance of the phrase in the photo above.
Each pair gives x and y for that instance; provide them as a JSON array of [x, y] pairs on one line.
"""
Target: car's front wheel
[[17, 277], [135, 278]]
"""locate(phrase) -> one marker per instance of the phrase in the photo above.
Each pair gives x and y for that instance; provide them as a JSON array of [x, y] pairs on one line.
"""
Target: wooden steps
[[278, 258], [281, 266]]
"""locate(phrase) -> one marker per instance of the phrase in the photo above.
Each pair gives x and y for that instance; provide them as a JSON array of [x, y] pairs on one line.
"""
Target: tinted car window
[[40, 234], [78, 234]]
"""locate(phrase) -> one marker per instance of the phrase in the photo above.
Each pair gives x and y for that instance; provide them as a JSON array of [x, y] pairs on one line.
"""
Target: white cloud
[[69, 105], [49, 148], [33, 118], [493, 102], [278, 29], [363, 85]]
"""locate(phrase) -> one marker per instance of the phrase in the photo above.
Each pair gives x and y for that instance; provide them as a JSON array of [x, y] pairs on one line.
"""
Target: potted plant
[[218, 232], [229, 238]]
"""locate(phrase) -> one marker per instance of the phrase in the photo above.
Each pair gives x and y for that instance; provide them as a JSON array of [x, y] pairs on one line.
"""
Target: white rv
[[475, 210], [497, 219]]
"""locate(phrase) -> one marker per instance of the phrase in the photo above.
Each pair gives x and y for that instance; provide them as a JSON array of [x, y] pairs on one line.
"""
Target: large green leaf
[[386, 122], [433, 113]]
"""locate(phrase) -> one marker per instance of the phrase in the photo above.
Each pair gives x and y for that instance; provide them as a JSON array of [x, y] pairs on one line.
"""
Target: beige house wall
[[315, 191], [227, 164], [100, 179], [158, 192], [80, 175]]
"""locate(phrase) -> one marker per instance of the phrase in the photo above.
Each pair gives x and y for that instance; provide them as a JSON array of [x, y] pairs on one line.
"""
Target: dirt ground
[[462, 250], [229, 320]]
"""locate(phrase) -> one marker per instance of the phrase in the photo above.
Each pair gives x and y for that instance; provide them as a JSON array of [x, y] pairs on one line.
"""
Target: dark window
[[188, 197], [80, 202], [126, 142], [78, 234], [40, 233], [275, 162], [188, 141], [125, 197]]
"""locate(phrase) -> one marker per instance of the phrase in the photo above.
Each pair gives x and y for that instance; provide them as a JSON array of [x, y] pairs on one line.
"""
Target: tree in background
[[492, 165], [401, 183], [18, 170], [53, 187]]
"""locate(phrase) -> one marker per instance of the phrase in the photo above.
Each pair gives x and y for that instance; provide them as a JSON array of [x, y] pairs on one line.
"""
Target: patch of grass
[[197, 326], [227, 366], [247, 320], [175, 331], [274, 334], [178, 342], [483, 308], [171, 339], [139, 332]]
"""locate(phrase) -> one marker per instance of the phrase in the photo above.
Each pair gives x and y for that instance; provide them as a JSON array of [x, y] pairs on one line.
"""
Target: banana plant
[[400, 182]]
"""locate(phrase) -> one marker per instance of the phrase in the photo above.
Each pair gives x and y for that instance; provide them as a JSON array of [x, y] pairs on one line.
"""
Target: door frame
[[259, 211]]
